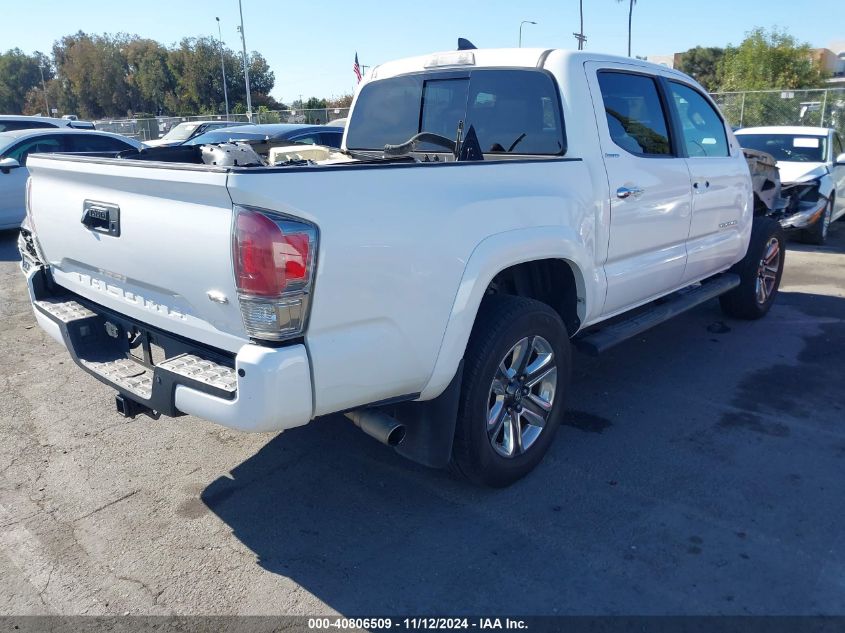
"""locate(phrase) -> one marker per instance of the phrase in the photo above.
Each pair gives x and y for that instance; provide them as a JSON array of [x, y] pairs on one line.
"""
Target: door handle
[[627, 192]]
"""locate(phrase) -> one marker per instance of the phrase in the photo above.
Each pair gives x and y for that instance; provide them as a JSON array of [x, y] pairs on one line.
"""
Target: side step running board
[[594, 343]]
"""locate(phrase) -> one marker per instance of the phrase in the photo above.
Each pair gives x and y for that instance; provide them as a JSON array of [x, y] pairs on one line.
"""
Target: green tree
[[149, 78], [195, 64], [94, 69], [702, 64], [344, 101], [261, 78], [261, 81], [20, 74], [104, 76], [57, 97], [769, 60]]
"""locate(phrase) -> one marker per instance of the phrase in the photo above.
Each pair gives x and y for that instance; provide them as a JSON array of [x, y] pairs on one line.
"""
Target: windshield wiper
[[423, 137]]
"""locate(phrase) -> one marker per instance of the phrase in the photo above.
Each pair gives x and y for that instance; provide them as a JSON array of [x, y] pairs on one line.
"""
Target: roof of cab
[[51, 131], [504, 58], [46, 119], [26, 117]]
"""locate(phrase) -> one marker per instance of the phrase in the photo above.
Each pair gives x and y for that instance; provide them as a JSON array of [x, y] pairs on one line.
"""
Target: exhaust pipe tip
[[378, 425], [396, 435]]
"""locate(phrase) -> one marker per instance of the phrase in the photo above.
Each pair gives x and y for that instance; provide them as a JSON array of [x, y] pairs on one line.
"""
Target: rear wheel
[[516, 372], [759, 271]]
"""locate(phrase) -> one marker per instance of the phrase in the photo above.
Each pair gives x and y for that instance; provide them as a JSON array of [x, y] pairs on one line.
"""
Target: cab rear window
[[512, 112]]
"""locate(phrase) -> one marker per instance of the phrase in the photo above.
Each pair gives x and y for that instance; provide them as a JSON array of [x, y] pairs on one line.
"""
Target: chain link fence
[[154, 128], [822, 108]]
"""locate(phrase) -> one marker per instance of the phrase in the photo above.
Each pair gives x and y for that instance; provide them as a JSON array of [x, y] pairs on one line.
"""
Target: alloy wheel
[[521, 396], [767, 271]]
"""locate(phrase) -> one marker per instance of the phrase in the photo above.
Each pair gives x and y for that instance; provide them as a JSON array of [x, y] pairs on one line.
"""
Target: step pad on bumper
[[125, 373], [202, 370], [99, 343], [65, 311]]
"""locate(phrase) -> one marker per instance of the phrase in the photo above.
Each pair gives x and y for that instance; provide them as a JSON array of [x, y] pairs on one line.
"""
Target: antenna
[[465, 45]]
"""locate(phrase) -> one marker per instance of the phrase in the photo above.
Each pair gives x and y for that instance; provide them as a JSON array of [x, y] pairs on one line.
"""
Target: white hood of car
[[797, 172], [159, 142]]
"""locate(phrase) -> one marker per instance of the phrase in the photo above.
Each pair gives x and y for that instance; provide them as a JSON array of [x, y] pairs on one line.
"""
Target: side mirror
[[840, 160], [8, 164]]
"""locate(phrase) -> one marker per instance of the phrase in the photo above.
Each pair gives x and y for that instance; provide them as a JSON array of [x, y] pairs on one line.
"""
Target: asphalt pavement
[[700, 471]]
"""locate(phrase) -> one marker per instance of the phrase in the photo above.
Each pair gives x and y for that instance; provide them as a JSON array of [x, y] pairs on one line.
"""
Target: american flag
[[356, 68]]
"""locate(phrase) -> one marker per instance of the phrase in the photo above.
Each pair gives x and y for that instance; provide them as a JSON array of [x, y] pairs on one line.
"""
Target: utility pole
[[223, 68], [44, 88], [579, 36], [246, 64], [520, 30]]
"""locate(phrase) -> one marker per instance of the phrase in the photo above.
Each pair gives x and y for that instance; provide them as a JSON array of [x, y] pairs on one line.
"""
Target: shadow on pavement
[[835, 240], [9, 246], [656, 497]]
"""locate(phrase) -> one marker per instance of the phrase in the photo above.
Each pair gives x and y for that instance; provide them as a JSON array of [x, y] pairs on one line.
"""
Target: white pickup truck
[[488, 210]]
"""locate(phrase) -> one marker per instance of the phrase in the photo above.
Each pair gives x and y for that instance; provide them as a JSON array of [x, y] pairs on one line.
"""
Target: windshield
[[511, 111], [181, 132], [787, 147], [5, 141]]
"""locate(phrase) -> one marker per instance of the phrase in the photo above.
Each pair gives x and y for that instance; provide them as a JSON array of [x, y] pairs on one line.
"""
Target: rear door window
[[95, 143], [635, 117], [702, 127], [45, 144]]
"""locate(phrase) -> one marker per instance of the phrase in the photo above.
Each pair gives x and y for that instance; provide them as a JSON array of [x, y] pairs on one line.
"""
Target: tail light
[[274, 259]]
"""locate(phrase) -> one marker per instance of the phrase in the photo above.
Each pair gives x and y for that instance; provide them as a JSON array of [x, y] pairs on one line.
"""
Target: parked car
[[16, 147], [428, 280], [10, 122], [812, 170], [328, 135], [187, 130]]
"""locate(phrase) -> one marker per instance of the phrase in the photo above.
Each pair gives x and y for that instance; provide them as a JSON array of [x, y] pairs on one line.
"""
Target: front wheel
[[817, 234], [759, 271], [516, 373]]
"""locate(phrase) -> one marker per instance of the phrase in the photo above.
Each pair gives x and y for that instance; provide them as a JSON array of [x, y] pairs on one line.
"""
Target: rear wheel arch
[[556, 282], [510, 258]]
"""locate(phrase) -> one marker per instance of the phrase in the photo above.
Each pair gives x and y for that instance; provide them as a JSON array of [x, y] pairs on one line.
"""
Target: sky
[[311, 45]]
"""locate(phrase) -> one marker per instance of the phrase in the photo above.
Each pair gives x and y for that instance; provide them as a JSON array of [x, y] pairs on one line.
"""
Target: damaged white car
[[812, 172]]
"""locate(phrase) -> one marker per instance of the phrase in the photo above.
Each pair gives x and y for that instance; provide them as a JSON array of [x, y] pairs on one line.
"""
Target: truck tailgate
[[174, 245]]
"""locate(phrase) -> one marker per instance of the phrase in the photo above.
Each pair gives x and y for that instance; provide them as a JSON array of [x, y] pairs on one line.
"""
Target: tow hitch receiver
[[128, 408]]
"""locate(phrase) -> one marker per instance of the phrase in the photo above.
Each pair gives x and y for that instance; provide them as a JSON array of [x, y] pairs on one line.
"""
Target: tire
[[817, 234], [763, 263], [505, 326]]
